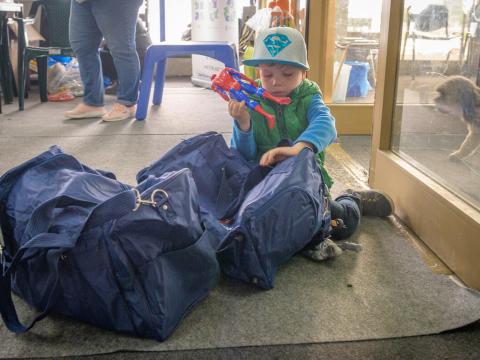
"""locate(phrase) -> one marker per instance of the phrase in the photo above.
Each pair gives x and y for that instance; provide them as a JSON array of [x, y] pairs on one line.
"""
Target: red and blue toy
[[230, 84]]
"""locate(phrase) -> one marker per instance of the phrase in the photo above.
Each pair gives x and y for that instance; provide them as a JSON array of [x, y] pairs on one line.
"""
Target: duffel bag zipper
[[260, 210]]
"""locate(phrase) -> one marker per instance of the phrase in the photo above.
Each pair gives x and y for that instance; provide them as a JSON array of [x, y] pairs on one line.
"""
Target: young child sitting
[[281, 56]]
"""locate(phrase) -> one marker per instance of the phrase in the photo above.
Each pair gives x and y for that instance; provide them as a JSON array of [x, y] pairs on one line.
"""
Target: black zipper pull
[[2, 259]]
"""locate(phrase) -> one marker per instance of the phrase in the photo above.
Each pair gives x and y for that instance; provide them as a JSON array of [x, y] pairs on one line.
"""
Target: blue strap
[[113, 208], [40, 220], [7, 307]]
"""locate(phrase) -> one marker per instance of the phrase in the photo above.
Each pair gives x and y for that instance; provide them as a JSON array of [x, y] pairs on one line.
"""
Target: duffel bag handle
[[41, 241], [115, 207], [58, 243], [41, 215], [7, 307]]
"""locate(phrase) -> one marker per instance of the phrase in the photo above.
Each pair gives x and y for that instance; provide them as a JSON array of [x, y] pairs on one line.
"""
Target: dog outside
[[437, 128]]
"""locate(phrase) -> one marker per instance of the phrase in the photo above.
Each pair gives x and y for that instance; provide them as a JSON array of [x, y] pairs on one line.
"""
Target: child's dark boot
[[373, 202]]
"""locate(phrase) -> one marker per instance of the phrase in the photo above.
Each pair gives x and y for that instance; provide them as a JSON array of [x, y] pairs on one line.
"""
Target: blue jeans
[[114, 20], [347, 208]]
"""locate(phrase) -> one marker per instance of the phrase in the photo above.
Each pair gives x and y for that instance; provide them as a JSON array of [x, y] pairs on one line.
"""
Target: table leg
[[372, 62], [6, 66], [342, 61]]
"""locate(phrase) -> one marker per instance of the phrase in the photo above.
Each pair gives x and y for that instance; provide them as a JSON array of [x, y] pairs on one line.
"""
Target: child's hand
[[278, 154], [239, 112]]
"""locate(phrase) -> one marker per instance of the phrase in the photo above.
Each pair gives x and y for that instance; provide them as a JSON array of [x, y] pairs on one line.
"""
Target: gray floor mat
[[382, 292]]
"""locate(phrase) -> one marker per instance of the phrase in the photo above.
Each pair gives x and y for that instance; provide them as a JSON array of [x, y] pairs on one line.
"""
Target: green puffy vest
[[290, 122]]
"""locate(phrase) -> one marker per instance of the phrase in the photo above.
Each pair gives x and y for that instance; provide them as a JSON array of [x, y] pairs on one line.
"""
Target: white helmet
[[279, 45]]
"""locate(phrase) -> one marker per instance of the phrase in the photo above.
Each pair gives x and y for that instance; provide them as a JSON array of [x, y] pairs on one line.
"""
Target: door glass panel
[[437, 114], [356, 50], [178, 18], [291, 13], [270, 13]]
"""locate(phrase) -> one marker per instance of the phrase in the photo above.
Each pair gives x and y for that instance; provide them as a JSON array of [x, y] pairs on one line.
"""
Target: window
[[178, 16], [437, 117], [356, 50]]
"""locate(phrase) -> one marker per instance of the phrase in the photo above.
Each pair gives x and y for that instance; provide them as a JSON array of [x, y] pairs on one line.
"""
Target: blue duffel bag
[[80, 243], [277, 218], [211, 162], [266, 215]]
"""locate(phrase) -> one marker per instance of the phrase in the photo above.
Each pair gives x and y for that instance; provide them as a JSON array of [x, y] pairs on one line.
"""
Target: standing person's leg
[[85, 38], [143, 41], [117, 20]]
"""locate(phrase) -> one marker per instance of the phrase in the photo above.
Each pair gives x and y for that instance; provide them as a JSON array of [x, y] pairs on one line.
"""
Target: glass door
[[426, 135], [343, 42], [357, 32], [436, 127]]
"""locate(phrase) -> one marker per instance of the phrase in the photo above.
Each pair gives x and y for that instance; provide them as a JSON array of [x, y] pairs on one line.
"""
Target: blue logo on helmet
[[275, 43]]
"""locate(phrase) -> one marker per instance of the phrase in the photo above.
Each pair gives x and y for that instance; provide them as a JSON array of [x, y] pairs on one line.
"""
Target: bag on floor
[[211, 162], [266, 216], [80, 243], [276, 219]]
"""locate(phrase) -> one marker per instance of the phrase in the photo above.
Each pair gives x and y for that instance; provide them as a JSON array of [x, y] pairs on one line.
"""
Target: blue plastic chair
[[158, 54]]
